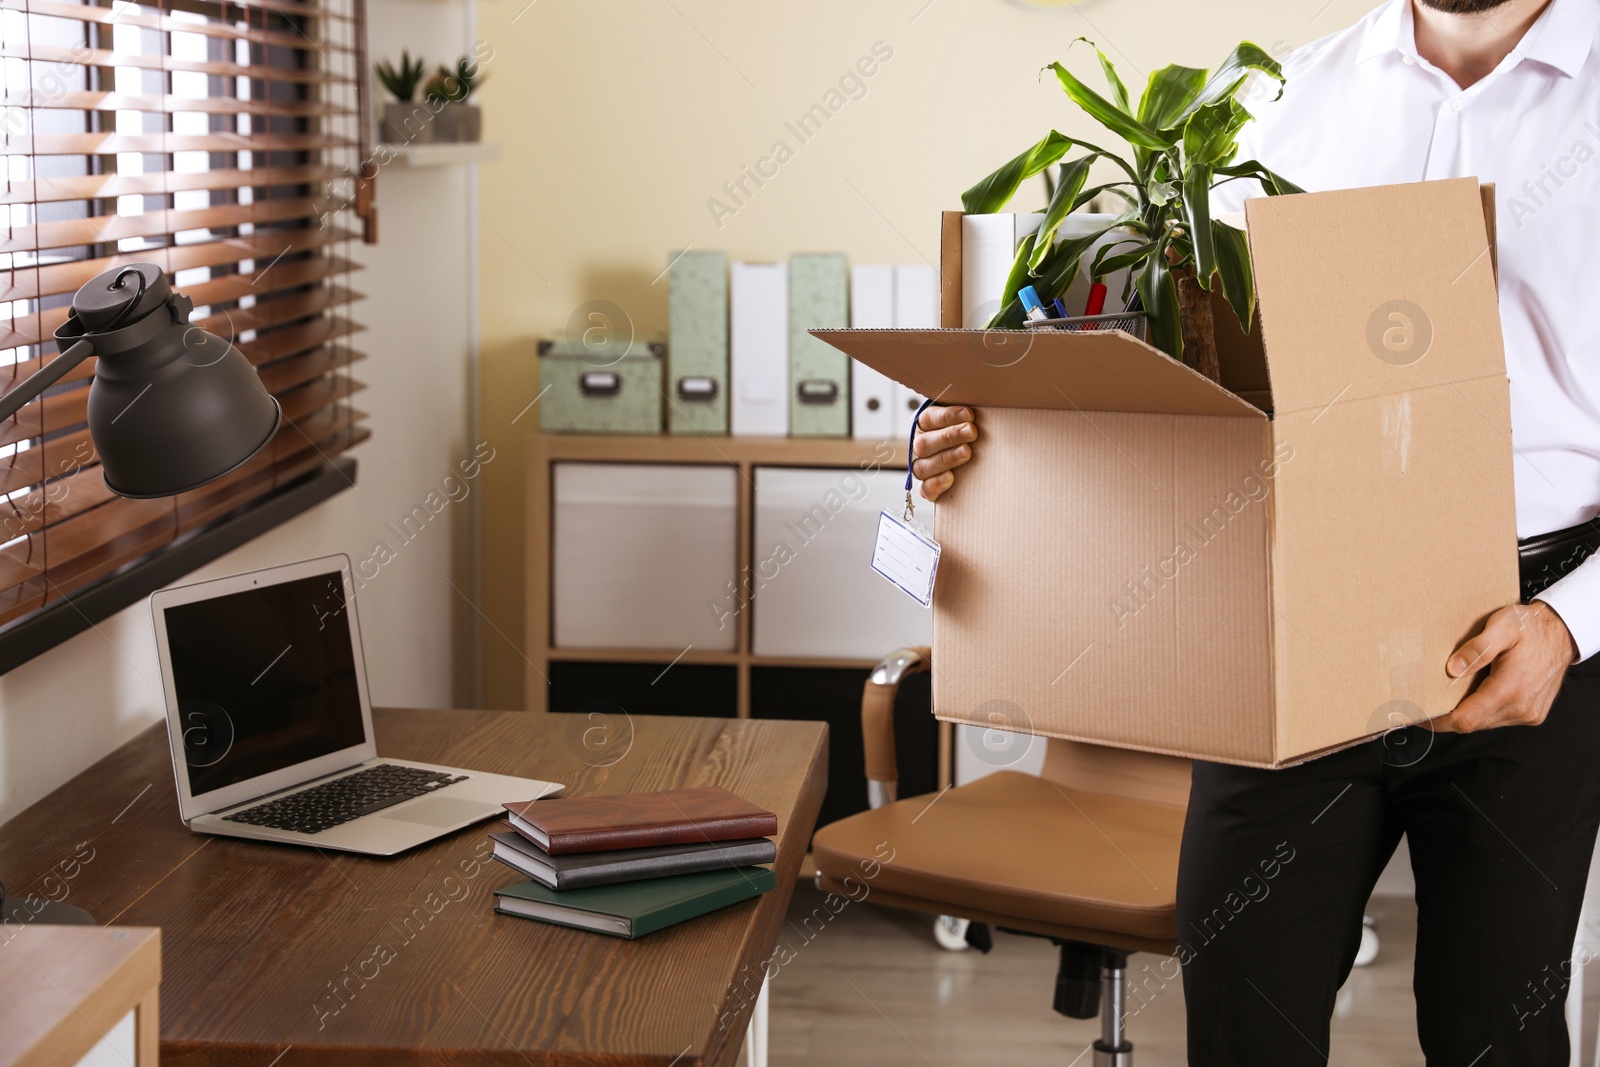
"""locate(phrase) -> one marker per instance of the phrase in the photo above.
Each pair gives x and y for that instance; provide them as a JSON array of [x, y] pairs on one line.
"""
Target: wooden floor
[[871, 987]]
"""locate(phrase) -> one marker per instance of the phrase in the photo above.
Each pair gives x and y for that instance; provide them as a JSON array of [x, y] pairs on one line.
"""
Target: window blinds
[[218, 140]]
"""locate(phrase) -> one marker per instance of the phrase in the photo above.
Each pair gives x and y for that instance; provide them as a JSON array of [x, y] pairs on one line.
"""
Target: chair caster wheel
[[1369, 943], [951, 933]]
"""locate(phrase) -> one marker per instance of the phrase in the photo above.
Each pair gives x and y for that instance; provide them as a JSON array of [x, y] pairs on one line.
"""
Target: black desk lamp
[[171, 408]]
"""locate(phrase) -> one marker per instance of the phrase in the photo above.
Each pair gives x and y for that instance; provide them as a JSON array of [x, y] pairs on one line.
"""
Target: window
[[218, 140]]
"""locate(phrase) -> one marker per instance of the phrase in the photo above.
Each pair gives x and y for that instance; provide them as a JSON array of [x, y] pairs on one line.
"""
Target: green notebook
[[633, 909]]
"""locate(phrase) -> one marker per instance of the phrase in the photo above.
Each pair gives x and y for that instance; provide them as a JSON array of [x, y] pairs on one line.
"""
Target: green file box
[[609, 388], [819, 374], [697, 343]]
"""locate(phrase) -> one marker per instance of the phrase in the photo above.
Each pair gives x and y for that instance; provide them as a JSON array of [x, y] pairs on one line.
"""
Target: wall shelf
[[439, 155]]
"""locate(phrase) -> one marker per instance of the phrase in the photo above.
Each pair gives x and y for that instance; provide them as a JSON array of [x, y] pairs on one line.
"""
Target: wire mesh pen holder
[[1134, 323]]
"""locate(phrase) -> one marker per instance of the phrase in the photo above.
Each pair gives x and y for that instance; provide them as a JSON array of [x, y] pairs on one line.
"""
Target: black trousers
[[1277, 867]]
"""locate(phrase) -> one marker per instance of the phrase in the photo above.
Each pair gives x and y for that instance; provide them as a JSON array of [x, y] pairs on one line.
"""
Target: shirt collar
[[1561, 38]]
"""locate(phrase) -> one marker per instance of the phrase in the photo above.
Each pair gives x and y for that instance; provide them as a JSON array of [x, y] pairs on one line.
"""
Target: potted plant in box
[[403, 121], [447, 93], [1183, 134]]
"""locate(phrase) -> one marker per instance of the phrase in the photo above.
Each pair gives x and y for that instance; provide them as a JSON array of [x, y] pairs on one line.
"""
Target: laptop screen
[[264, 678]]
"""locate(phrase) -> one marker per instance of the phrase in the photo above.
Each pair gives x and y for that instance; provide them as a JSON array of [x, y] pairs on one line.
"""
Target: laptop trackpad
[[440, 811]]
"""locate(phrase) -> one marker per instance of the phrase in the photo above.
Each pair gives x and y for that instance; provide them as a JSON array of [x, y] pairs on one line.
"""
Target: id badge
[[907, 555]]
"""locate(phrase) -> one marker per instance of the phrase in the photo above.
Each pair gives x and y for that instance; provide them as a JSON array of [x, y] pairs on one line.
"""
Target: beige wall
[[620, 119]]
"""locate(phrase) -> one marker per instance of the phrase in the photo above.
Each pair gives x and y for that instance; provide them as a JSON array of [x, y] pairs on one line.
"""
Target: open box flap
[[1101, 371], [1374, 292]]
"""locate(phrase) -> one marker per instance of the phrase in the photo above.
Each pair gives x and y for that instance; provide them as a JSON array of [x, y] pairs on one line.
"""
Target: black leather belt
[[1547, 558]]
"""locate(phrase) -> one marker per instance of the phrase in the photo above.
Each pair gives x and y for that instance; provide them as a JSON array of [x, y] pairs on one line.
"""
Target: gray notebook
[[579, 869]]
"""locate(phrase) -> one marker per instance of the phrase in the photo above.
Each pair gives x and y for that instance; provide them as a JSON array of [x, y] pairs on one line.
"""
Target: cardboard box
[[1142, 558]]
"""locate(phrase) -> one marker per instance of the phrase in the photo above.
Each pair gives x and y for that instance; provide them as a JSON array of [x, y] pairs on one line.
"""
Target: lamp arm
[[44, 378]]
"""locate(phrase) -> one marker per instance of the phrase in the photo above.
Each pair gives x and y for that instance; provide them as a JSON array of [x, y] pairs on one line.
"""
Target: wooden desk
[[401, 961], [65, 988]]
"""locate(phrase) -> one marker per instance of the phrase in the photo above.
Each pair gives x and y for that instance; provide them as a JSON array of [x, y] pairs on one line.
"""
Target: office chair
[[1086, 854]]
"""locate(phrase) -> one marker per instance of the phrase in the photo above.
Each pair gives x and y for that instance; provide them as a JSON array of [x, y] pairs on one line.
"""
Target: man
[[1500, 806]]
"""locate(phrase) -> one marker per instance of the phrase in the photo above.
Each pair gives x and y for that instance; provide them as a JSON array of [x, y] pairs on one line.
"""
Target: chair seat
[[1012, 844]]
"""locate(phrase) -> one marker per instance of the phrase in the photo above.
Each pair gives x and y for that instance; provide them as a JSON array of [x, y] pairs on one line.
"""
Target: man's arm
[[1528, 648], [1576, 598]]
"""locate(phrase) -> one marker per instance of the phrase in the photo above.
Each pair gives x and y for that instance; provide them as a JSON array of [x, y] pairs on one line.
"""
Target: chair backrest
[[1118, 772]]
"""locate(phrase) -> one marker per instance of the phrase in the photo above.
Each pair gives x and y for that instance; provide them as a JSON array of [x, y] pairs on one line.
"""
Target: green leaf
[[1233, 268], [1161, 193], [1211, 134], [1115, 188], [1062, 263], [995, 191], [1108, 262], [1108, 114], [1231, 75], [1073, 175], [1119, 89], [1197, 209], [1168, 94], [1019, 275], [1274, 184], [1159, 291]]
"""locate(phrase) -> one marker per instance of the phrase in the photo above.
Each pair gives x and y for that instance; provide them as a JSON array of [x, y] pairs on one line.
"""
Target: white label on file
[[907, 557]]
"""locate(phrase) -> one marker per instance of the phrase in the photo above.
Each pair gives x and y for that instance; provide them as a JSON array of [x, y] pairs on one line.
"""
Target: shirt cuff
[[1576, 598]]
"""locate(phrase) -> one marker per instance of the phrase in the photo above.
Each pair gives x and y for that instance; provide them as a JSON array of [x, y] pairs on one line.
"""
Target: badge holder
[[905, 552]]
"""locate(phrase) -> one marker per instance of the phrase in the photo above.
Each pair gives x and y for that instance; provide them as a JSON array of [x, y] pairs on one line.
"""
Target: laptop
[[270, 724]]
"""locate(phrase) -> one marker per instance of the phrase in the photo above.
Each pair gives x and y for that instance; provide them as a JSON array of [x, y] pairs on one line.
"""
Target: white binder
[[916, 307], [758, 343], [873, 396]]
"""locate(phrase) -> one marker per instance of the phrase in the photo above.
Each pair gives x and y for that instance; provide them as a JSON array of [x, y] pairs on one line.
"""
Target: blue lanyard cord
[[911, 442]]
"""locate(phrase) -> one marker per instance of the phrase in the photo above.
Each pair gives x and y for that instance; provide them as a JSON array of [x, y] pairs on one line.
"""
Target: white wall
[[69, 707]]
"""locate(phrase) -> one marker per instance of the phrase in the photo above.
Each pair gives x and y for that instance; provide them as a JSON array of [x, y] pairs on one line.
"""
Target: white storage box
[[814, 590], [642, 553]]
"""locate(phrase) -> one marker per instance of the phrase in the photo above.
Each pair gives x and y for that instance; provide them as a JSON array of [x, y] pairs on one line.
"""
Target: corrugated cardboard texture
[[1288, 586], [1396, 536], [1155, 637], [1395, 522], [1107, 371], [950, 269], [1333, 269]]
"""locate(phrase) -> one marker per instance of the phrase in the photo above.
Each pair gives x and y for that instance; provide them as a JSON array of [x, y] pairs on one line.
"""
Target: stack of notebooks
[[632, 863]]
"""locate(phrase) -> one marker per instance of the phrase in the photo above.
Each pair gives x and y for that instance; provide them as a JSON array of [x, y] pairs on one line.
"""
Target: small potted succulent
[[447, 94], [405, 121]]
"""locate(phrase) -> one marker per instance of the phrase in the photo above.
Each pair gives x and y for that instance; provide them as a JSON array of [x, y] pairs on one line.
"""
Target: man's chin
[[1463, 7]]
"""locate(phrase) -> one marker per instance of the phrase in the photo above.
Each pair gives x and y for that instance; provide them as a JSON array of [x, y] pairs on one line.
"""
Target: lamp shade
[[172, 406]]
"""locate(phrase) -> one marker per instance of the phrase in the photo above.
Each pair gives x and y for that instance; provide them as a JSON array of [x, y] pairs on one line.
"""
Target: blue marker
[[1032, 309], [1061, 309]]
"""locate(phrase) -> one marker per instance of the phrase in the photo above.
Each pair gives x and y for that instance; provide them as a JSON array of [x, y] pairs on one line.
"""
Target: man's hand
[[1528, 649], [943, 443]]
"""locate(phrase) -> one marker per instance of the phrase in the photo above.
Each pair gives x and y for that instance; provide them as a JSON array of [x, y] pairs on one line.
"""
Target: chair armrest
[[877, 720]]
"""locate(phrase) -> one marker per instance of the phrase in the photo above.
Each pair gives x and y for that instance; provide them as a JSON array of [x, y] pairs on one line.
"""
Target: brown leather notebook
[[639, 820]]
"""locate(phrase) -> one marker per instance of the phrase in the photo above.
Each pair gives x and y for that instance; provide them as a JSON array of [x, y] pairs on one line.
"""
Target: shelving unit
[[742, 453], [439, 155]]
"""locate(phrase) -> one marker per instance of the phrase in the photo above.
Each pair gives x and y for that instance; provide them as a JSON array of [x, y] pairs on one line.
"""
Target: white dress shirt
[[1361, 107]]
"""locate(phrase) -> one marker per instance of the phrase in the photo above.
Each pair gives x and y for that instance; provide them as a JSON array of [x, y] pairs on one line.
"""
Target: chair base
[[1111, 939]]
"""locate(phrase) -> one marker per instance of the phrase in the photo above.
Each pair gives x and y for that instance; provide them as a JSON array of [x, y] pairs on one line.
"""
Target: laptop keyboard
[[330, 804]]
